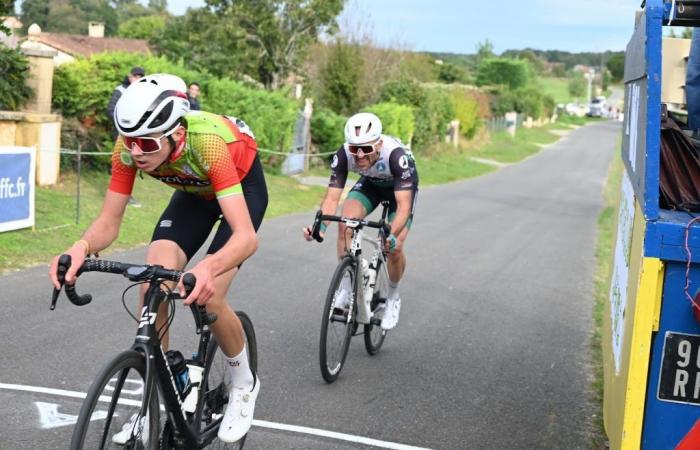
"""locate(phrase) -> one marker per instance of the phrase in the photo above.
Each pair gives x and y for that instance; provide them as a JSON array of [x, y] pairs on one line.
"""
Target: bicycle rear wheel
[[216, 385], [374, 334], [338, 319], [110, 416]]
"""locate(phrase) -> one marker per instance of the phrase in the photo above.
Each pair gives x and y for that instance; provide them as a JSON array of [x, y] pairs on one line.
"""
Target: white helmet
[[151, 104], [363, 128]]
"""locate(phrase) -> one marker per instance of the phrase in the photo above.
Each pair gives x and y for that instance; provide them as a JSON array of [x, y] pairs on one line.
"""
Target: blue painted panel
[[666, 422], [654, 16]]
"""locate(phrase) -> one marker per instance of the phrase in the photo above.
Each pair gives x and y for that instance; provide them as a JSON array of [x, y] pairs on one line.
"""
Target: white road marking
[[258, 423], [49, 417]]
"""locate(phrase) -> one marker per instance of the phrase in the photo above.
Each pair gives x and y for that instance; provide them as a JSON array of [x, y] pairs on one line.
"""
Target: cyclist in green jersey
[[212, 163]]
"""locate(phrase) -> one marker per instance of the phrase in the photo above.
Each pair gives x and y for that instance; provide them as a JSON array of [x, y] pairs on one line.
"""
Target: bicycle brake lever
[[64, 262]]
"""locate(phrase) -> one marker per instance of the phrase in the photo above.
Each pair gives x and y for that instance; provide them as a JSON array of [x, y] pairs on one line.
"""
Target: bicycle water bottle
[[195, 371], [180, 372], [371, 279], [364, 311]]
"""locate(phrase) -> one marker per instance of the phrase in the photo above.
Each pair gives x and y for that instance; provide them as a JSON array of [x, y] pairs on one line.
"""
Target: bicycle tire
[[216, 385], [91, 432], [332, 357], [375, 334]]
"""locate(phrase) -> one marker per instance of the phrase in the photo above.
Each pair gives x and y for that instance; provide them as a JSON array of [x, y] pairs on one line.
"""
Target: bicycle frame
[[186, 432], [158, 372], [354, 251]]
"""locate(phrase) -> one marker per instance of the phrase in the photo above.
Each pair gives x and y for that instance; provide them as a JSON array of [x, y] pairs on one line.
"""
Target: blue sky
[[457, 26]]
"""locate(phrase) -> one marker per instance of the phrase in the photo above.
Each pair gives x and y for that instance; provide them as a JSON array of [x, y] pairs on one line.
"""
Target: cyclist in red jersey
[[212, 163]]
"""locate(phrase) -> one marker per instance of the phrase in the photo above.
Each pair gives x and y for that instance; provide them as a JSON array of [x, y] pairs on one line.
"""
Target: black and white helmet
[[363, 128], [152, 104]]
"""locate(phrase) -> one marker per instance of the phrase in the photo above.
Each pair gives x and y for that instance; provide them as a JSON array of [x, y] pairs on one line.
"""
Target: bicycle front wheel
[[217, 385], [111, 417], [338, 319], [374, 334]]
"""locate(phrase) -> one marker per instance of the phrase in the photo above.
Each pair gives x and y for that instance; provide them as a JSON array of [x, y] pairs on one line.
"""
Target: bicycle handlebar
[[358, 223], [134, 272]]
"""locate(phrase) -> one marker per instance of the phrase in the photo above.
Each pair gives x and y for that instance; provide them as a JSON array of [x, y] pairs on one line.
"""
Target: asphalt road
[[492, 350]]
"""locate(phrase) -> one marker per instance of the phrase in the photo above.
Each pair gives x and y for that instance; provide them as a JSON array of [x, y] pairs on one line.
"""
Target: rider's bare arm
[[99, 235], [403, 211]]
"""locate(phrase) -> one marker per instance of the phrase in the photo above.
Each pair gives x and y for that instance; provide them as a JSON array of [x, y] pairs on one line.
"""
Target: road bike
[[356, 295], [123, 407]]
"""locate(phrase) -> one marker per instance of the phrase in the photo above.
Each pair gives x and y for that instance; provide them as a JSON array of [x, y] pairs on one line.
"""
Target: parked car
[[598, 107]]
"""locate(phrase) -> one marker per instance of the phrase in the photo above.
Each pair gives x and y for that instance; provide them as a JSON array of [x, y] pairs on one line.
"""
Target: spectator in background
[[692, 84], [135, 74], [192, 94]]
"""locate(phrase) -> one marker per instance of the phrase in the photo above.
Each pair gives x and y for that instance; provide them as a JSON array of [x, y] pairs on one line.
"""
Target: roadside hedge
[[433, 109], [397, 120], [82, 89], [327, 130], [471, 108]]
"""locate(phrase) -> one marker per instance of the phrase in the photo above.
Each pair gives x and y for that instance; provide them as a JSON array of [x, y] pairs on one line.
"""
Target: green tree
[[340, 78], [206, 42], [35, 11], [578, 86], [616, 66], [158, 5], [14, 70], [450, 73], [513, 73], [145, 27], [484, 50], [129, 9], [69, 16], [279, 31]]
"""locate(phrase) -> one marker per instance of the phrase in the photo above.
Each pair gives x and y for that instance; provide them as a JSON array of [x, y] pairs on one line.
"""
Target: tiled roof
[[79, 45]]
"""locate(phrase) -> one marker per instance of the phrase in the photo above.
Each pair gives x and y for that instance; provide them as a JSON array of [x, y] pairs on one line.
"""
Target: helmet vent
[[357, 131], [162, 116]]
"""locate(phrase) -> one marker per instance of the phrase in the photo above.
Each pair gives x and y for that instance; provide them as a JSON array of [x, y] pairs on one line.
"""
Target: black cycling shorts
[[371, 195], [189, 219]]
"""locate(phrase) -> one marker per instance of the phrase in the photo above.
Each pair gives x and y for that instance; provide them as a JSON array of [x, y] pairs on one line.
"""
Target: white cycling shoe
[[390, 319], [342, 296], [239, 413], [341, 299], [129, 429]]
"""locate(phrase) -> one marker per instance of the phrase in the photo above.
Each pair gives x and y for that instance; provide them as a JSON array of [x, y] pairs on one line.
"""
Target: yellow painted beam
[[646, 320]]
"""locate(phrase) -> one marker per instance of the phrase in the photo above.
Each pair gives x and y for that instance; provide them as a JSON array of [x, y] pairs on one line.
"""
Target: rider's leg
[[352, 207], [167, 254], [396, 264]]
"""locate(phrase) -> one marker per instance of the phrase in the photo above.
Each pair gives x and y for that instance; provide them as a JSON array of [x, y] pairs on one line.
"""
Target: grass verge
[[604, 248]]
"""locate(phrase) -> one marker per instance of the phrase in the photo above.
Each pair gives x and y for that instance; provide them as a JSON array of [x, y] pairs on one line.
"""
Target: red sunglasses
[[364, 149], [146, 144]]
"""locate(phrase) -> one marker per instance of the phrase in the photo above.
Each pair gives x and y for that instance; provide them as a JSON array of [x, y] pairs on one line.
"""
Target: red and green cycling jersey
[[216, 156]]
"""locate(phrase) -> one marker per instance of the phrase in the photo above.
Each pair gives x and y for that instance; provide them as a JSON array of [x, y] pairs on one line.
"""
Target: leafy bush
[[470, 107], [513, 73], [327, 130], [14, 70], [340, 87], [397, 120], [529, 100], [432, 108], [83, 88], [271, 115]]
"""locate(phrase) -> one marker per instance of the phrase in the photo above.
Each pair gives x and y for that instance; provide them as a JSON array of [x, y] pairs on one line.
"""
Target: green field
[[558, 88]]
